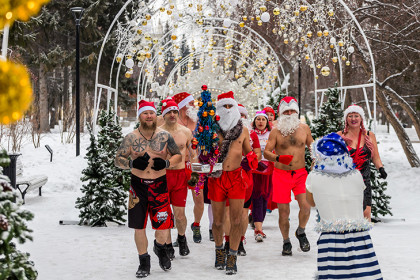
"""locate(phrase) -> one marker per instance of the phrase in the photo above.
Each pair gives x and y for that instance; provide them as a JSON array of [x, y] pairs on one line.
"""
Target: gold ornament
[[244, 18], [348, 62], [286, 41], [257, 18], [209, 104], [147, 37], [303, 8], [148, 16], [16, 91], [143, 22], [173, 37], [171, 6], [325, 71], [296, 13], [205, 114], [211, 113], [190, 5], [139, 31], [331, 46], [331, 13], [307, 56], [334, 59], [21, 10], [263, 8], [309, 34], [276, 11], [340, 43], [282, 27], [326, 33], [252, 18], [155, 41], [316, 77], [148, 55], [169, 12], [242, 24], [319, 33], [200, 21], [127, 75], [200, 103], [318, 66], [162, 9], [260, 23]]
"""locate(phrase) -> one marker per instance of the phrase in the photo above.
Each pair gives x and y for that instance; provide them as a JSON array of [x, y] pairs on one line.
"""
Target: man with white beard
[[290, 137], [188, 118]]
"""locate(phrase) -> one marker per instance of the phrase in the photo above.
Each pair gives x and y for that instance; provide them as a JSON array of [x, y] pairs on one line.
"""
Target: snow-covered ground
[[80, 252]]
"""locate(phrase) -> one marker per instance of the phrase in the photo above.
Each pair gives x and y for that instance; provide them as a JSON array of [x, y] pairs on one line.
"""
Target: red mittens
[[252, 160], [285, 159]]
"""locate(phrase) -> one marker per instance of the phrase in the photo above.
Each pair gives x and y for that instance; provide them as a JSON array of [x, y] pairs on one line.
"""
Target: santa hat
[[242, 110], [355, 109], [182, 99], [288, 103], [169, 105], [145, 106], [226, 98], [261, 113], [269, 109]]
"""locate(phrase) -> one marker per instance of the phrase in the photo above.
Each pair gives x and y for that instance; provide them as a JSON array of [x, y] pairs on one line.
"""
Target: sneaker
[[287, 249], [211, 235], [241, 249], [164, 261], [196, 233], [303, 242], [231, 267], [144, 267], [183, 246], [227, 247], [170, 251], [259, 237], [220, 259]]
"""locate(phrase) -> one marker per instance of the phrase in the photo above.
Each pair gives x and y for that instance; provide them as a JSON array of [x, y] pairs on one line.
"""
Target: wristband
[[277, 158], [130, 163], [168, 163]]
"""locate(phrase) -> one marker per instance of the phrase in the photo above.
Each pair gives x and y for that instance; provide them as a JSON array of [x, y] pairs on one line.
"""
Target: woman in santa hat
[[363, 149]]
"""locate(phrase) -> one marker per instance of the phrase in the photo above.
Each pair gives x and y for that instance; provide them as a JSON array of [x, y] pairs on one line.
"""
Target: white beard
[[247, 124], [192, 113], [287, 124], [228, 117]]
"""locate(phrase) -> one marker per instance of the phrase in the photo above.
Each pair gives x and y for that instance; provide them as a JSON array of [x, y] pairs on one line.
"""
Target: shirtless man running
[[145, 151], [290, 137]]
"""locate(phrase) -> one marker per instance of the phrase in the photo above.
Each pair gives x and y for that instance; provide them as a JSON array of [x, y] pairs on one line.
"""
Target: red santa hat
[[355, 109], [226, 98], [169, 105], [242, 110], [261, 113], [145, 106], [269, 109], [182, 99], [288, 103]]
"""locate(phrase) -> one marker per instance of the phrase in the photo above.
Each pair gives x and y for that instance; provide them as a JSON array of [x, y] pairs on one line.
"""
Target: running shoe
[[220, 259], [144, 267], [170, 251], [241, 249], [259, 237], [303, 242], [287, 249], [164, 261], [183, 246], [231, 267], [196, 233]]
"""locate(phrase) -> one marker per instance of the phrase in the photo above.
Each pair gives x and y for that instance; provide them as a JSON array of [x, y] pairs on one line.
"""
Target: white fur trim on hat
[[226, 101], [243, 110], [145, 108], [260, 113], [186, 100], [292, 105], [167, 110], [355, 109]]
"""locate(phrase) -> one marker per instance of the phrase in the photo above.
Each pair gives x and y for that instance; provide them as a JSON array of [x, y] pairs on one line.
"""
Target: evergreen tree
[[14, 264], [380, 200], [104, 200], [330, 118]]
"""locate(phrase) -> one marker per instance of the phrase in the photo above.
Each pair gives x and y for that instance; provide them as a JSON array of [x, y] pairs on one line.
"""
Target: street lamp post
[[77, 13]]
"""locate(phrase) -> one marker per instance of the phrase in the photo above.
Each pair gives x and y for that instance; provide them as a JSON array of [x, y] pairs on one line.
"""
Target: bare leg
[[236, 206], [140, 239], [218, 216], [284, 225], [367, 213], [304, 210], [161, 236], [198, 205], [181, 219], [244, 222], [258, 226]]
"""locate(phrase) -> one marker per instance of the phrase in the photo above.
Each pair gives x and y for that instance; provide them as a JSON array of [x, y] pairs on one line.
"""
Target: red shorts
[[177, 186], [248, 192], [285, 181], [230, 185]]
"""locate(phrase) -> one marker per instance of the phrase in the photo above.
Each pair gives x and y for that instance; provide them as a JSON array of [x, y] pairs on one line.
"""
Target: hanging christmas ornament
[[265, 17], [129, 63], [325, 71], [276, 11], [350, 49]]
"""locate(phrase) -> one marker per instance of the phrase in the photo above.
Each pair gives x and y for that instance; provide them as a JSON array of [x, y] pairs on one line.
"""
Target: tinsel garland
[[343, 225]]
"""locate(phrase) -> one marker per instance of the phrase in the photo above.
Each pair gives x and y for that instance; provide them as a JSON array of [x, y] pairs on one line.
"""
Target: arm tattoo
[[172, 147], [121, 158], [159, 142]]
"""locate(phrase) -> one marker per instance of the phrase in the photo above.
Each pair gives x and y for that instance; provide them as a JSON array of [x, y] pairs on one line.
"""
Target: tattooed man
[[148, 151]]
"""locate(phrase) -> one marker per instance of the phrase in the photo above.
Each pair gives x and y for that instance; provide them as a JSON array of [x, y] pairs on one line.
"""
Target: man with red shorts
[[188, 118], [177, 176], [232, 182], [290, 137], [147, 152]]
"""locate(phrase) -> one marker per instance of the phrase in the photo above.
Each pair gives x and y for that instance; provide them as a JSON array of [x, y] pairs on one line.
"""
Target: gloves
[[383, 173], [285, 159], [159, 164], [141, 162], [194, 179], [252, 160]]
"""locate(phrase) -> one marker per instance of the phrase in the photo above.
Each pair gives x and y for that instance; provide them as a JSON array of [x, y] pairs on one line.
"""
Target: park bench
[[25, 184]]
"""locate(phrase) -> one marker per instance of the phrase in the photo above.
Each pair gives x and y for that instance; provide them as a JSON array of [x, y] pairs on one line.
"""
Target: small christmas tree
[[14, 264], [104, 199], [205, 139], [380, 200]]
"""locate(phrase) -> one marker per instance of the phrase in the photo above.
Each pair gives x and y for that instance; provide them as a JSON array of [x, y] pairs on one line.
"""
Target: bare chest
[[154, 146], [295, 140]]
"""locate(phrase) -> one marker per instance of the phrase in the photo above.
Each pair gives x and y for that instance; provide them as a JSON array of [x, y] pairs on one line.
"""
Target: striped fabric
[[348, 255]]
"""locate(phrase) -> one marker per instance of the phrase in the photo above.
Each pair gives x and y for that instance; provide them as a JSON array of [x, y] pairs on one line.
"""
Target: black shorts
[[149, 197], [247, 203]]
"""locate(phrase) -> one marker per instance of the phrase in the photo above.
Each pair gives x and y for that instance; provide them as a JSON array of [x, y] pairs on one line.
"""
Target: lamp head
[[77, 12]]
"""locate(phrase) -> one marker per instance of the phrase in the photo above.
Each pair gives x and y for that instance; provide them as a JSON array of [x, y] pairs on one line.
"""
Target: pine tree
[[104, 201], [330, 118], [14, 264], [380, 200]]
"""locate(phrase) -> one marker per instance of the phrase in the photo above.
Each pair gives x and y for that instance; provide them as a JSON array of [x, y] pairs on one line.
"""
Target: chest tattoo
[[140, 145]]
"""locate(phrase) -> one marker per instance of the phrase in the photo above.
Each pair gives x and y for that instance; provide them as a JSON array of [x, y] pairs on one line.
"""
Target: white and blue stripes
[[348, 255]]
